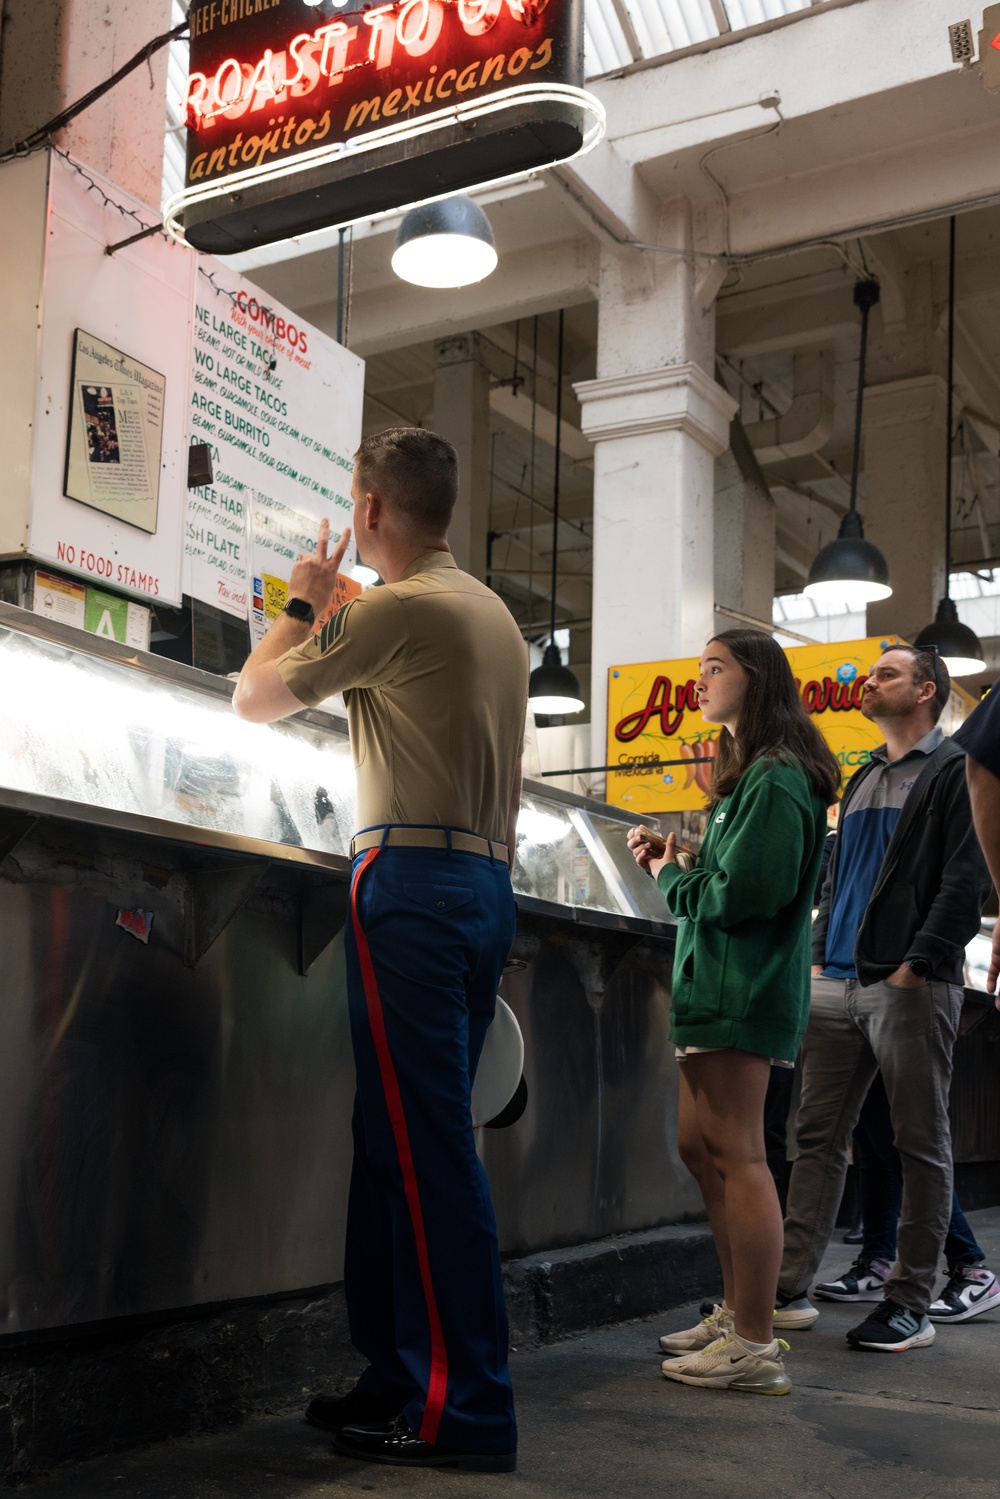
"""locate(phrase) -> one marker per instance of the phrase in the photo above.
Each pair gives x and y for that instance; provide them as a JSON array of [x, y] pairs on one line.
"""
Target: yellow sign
[[276, 597], [653, 716]]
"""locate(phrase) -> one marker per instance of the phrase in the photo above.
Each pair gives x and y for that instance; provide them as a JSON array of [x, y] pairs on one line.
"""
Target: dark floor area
[[597, 1418]]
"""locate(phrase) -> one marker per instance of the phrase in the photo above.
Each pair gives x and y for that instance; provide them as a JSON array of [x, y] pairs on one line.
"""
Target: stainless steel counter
[[174, 1113]]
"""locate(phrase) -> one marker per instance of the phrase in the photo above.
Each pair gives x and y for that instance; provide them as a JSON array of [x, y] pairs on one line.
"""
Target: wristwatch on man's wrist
[[919, 967], [300, 609]]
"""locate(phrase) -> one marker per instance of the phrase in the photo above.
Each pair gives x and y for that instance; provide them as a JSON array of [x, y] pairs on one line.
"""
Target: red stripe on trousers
[[438, 1382]]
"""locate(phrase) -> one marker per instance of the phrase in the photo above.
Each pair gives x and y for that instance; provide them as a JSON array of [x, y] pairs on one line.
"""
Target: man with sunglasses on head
[[903, 894]]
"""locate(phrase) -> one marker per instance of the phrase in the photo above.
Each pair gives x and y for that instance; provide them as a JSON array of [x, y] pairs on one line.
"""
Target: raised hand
[[314, 577]]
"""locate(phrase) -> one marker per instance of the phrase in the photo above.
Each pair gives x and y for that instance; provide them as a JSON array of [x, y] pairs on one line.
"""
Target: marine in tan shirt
[[434, 673]]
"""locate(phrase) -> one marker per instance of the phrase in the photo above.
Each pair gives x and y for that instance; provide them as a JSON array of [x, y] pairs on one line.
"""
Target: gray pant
[[853, 1032]]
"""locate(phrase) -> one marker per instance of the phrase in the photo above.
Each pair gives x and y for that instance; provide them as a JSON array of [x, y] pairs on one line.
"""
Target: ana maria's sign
[[300, 116], [653, 716]]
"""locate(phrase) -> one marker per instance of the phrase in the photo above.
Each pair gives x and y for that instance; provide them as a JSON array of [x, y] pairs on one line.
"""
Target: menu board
[[279, 404], [103, 498]]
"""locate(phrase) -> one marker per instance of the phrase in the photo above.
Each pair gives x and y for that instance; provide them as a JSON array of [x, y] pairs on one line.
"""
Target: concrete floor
[[597, 1419]]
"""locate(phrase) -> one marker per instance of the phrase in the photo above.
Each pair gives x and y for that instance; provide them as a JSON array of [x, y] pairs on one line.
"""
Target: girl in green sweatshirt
[[741, 984]]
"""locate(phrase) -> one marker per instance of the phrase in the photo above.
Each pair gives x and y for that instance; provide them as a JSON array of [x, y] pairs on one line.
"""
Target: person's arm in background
[[822, 919], [984, 794], [512, 811]]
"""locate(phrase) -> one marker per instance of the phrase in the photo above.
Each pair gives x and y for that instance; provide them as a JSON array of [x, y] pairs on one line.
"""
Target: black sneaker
[[892, 1328], [972, 1289], [864, 1281]]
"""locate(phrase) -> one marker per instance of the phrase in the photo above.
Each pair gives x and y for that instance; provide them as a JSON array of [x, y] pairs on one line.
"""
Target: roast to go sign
[[299, 118]]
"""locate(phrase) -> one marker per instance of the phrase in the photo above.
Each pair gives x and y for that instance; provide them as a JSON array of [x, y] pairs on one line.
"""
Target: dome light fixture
[[959, 647], [444, 244], [552, 687], [364, 575], [851, 570]]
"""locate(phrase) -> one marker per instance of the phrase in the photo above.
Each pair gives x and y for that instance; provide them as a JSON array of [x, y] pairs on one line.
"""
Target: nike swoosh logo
[[738, 1359], [978, 1295]]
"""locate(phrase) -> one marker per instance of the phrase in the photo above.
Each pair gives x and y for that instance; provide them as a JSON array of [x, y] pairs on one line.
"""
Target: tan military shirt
[[435, 676]]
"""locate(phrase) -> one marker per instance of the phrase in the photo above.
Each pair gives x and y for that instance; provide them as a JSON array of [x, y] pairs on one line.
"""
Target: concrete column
[[55, 51], [904, 442], [658, 420], [744, 534], [462, 414]]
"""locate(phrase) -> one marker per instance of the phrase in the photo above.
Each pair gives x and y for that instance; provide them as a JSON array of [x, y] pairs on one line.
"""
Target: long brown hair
[[773, 724]]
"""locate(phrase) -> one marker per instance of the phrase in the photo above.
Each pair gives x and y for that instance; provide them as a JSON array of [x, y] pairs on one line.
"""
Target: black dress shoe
[[331, 1412], [395, 1443]]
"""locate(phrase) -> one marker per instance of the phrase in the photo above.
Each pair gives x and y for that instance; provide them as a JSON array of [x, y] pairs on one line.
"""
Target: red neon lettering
[[418, 25], [383, 24], [526, 11], [337, 37], [235, 76], [304, 64], [265, 87], [195, 99], [477, 16]]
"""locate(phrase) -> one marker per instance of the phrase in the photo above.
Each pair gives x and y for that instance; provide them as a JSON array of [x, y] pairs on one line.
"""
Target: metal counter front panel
[[168, 1137], [173, 1136]]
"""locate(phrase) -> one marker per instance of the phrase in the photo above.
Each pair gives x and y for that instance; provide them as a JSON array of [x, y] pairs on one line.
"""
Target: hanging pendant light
[[958, 646], [444, 244], [851, 570], [552, 687]]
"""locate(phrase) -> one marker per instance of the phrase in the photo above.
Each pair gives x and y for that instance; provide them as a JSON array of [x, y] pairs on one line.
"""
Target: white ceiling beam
[[795, 322], [807, 63], [608, 196], [390, 316], [517, 409], [926, 178]]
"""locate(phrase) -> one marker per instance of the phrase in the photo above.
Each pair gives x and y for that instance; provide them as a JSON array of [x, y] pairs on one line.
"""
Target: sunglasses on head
[[934, 652]]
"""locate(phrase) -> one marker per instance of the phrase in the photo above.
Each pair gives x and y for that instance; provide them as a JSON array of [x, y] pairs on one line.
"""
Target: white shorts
[[683, 1052]]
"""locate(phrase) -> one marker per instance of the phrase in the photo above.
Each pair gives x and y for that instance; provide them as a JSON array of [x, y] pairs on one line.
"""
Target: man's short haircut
[[928, 666], [416, 471]]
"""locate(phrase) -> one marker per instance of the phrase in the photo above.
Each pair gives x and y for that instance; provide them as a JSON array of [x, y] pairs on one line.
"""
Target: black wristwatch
[[300, 609], [920, 967]]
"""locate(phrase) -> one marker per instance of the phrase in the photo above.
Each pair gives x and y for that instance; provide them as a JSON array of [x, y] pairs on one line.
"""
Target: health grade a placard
[[653, 716]]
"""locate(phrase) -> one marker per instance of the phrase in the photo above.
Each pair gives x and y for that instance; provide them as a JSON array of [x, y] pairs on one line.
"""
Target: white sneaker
[[794, 1311], [972, 1289], [728, 1364], [718, 1321], [864, 1281]]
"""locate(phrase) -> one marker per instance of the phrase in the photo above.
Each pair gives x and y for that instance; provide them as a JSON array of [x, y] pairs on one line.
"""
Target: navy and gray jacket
[[931, 884]]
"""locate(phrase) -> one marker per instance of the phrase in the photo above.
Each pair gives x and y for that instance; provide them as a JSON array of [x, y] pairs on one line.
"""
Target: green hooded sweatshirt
[[741, 966]]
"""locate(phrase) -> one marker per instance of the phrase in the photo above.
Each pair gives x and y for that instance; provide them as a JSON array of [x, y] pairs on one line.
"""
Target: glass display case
[[94, 731]]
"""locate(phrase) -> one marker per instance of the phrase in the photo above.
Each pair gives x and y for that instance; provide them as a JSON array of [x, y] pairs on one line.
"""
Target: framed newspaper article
[[113, 452]]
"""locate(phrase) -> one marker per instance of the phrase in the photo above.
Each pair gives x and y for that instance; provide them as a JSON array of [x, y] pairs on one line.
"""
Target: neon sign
[[296, 120]]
